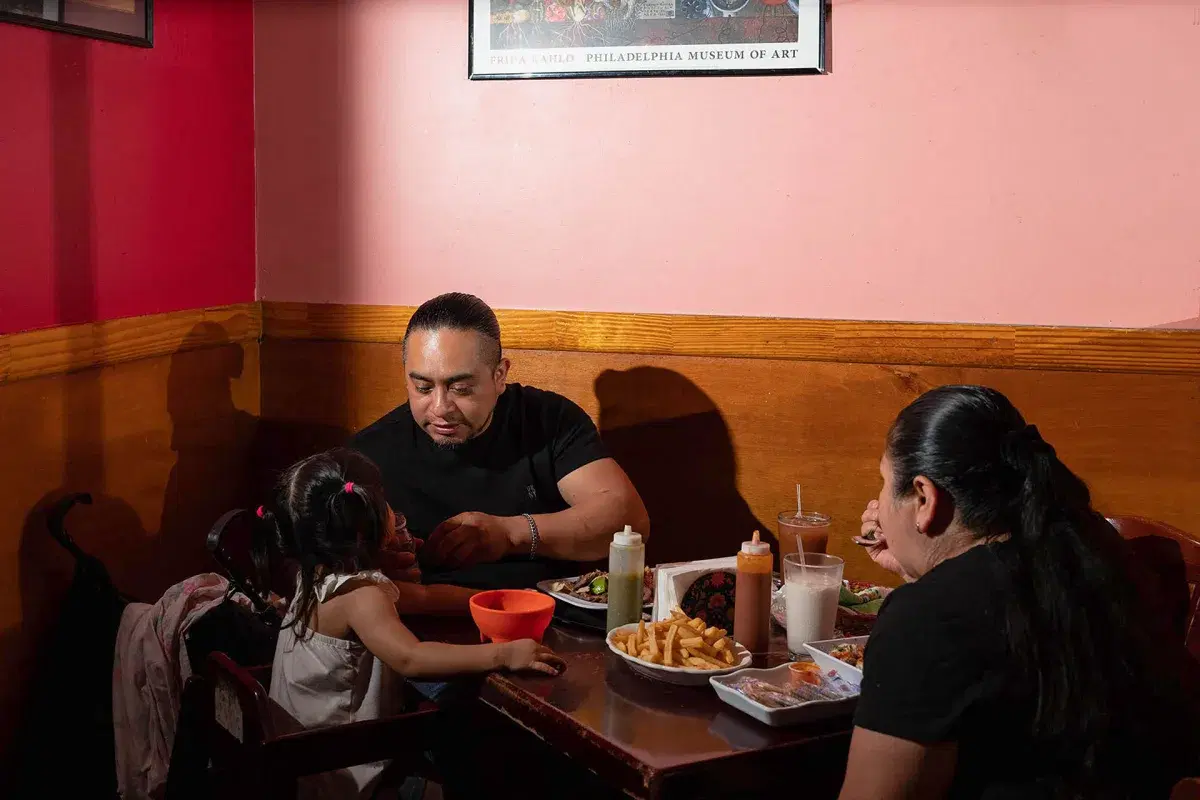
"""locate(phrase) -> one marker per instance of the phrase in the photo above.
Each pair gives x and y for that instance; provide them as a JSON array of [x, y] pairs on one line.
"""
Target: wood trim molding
[[925, 344], [69, 348], [53, 351]]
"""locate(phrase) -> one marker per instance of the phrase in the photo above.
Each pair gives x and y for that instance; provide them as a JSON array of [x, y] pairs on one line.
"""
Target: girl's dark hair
[[328, 515], [1078, 635]]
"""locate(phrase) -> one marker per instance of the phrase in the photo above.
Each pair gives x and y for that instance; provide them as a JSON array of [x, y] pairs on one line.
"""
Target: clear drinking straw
[[799, 538]]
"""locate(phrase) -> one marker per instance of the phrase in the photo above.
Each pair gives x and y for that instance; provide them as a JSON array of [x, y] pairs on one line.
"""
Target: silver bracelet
[[534, 536]]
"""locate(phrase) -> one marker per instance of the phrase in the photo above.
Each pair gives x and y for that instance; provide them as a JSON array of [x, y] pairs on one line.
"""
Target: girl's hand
[[527, 654]]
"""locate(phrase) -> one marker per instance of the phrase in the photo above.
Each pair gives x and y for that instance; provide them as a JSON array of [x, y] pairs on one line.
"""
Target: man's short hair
[[460, 312]]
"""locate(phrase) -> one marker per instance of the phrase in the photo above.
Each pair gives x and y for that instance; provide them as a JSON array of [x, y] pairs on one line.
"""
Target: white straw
[[799, 539]]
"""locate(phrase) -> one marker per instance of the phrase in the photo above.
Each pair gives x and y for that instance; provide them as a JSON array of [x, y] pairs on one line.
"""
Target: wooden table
[[654, 740]]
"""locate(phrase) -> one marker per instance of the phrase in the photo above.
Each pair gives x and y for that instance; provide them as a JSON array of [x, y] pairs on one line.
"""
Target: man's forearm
[[434, 600], [583, 531]]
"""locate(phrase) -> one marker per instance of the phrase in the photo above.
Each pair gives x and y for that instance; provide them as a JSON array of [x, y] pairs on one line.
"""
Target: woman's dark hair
[[328, 515], [461, 312], [1077, 631]]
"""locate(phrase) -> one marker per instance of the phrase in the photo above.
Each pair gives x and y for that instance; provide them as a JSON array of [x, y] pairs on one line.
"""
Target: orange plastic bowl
[[505, 615]]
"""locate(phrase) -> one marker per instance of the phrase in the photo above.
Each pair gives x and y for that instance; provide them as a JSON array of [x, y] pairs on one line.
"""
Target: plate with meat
[[590, 591]]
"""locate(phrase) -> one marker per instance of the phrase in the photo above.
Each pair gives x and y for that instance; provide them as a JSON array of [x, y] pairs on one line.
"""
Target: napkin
[[673, 580]]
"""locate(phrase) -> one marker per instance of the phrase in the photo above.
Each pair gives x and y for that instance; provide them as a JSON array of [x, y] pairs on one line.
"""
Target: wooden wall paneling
[[54, 351], [171, 419], [716, 445], [163, 445], [1159, 351], [1071, 349]]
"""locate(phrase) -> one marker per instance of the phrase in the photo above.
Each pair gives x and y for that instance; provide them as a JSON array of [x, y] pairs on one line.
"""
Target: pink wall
[[127, 174], [1019, 162]]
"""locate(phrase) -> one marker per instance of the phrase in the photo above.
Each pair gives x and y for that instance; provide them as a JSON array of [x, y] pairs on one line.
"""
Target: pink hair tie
[[349, 487], [261, 513]]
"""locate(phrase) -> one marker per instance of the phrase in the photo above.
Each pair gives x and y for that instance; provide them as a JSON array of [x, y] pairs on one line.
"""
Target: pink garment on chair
[[149, 667]]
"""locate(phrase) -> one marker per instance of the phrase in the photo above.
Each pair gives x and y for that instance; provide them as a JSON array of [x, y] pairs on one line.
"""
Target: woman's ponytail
[[1068, 599]]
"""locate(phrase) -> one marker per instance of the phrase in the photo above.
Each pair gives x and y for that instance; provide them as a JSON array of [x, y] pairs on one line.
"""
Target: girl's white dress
[[323, 681]]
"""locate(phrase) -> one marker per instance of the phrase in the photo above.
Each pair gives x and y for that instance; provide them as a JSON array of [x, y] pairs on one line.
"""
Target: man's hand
[[471, 538], [399, 561]]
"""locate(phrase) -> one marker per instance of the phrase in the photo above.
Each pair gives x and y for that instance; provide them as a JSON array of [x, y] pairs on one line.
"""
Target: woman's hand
[[877, 548], [870, 521], [527, 654]]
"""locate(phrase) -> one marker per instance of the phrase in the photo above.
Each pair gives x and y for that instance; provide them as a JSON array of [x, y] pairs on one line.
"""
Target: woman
[[1018, 661]]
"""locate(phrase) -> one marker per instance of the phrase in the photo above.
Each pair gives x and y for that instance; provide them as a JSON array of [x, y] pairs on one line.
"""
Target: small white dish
[[820, 654], [778, 717], [680, 676]]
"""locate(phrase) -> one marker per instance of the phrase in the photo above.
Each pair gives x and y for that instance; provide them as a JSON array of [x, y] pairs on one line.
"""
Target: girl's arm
[[438, 600], [372, 616]]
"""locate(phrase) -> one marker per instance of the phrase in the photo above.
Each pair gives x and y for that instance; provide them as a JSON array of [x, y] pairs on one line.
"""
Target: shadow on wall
[[211, 439], [66, 442], [1192, 324], [44, 569], [280, 443], [671, 439]]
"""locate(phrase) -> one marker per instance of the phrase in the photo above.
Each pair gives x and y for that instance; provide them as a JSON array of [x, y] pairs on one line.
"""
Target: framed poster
[[124, 21], [614, 38]]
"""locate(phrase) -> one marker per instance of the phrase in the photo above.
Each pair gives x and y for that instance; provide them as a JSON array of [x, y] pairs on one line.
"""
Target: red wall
[[127, 174]]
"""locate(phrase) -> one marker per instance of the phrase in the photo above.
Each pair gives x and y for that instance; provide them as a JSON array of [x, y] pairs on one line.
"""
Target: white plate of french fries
[[678, 650]]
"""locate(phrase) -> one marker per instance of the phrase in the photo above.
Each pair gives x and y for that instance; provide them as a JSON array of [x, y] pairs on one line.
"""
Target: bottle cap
[[754, 547], [627, 538]]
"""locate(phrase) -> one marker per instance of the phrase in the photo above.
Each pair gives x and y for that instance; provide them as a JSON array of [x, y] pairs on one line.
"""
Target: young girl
[[342, 644]]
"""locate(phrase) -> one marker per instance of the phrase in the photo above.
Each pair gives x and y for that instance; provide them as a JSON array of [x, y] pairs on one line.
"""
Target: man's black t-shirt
[[535, 439], [938, 669]]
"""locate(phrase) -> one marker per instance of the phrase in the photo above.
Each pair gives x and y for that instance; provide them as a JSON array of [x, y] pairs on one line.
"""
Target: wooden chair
[[1139, 528], [234, 742]]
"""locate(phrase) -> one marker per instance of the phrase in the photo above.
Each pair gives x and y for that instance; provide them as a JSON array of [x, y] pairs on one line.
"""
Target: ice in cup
[[811, 590], [811, 527]]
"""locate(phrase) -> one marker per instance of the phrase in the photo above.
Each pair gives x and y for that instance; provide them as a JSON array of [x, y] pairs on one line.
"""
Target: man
[[510, 484]]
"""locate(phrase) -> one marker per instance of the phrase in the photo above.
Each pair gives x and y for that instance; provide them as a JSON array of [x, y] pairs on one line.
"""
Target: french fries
[[679, 642]]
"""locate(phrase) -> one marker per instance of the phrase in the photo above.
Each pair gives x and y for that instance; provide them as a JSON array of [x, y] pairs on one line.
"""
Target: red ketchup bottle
[[752, 595]]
